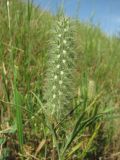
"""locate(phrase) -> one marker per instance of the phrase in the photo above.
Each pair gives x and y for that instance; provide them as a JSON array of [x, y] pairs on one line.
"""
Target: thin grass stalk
[[18, 111]]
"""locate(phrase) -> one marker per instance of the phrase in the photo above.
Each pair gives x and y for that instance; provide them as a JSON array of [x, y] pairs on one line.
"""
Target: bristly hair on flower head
[[58, 87]]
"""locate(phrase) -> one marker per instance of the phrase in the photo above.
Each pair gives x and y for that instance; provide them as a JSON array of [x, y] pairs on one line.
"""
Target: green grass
[[88, 129]]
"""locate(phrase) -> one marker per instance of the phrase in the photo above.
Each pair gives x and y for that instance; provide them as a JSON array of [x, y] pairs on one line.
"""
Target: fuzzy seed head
[[54, 87], [54, 96], [55, 77], [59, 35], [64, 61], [59, 78], [58, 56], [65, 30], [8, 3], [61, 72], [64, 41], [64, 51], [60, 93], [60, 82], [58, 66]]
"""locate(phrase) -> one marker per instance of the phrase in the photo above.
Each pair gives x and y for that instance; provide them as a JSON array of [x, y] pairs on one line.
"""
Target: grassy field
[[83, 122]]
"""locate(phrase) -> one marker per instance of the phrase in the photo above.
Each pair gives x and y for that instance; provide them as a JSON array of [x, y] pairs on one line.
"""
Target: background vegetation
[[90, 130]]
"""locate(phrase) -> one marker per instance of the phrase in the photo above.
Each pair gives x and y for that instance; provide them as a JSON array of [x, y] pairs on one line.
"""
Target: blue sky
[[106, 13]]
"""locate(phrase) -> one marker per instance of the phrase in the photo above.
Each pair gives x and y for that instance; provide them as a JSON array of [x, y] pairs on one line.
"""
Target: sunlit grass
[[26, 128]]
